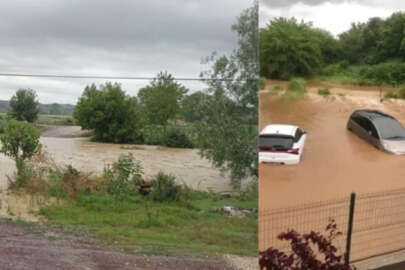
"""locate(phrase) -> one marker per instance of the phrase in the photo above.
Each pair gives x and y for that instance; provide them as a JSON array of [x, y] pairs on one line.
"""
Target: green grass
[[324, 92], [275, 90], [296, 89], [65, 120], [188, 227]]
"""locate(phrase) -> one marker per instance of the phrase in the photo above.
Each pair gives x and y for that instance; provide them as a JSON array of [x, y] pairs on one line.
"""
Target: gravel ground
[[26, 247]]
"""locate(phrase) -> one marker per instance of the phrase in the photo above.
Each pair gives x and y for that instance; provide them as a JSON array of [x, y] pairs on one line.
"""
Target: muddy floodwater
[[186, 164], [335, 162]]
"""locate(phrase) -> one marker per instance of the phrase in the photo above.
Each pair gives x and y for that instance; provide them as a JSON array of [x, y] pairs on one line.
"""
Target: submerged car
[[379, 129], [282, 144]]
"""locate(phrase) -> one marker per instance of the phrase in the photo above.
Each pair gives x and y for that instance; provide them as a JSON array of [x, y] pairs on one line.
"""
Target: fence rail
[[378, 223]]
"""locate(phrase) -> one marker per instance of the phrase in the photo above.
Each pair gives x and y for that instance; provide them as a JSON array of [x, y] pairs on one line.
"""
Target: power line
[[107, 77]]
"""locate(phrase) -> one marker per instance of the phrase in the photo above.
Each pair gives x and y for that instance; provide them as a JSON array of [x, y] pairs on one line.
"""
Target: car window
[[359, 120], [276, 142], [389, 128], [374, 132], [298, 134]]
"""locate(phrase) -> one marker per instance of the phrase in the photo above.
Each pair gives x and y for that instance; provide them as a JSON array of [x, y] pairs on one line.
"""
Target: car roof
[[288, 130], [372, 114]]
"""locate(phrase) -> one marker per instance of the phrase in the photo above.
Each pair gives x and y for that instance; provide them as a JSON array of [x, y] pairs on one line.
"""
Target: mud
[[31, 247], [64, 131], [335, 162]]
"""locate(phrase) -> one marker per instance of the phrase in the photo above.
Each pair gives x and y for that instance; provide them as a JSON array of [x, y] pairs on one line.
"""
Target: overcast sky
[[116, 38], [333, 15]]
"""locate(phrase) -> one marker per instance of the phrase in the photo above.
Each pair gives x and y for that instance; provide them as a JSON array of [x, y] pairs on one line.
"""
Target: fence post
[[350, 228]]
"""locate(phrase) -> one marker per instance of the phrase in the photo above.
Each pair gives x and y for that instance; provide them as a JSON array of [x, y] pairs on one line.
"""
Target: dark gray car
[[379, 129]]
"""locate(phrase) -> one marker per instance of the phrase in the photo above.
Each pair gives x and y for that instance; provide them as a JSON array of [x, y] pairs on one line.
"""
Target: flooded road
[[188, 167], [335, 162]]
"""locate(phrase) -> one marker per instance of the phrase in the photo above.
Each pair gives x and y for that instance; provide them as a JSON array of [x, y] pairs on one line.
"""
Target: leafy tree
[[20, 141], [227, 132], [161, 100], [190, 105], [24, 105], [110, 112], [55, 109], [289, 48]]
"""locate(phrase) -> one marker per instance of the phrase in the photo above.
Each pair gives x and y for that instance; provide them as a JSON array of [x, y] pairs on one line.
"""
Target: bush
[[177, 138], [391, 94], [165, 189], [297, 85], [3, 123], [324, 92], [153, 135], [262, 83], [68, 182], [303, 256], [124, 176], [172, 137], [20, 141], [391, 73], [402, 93]]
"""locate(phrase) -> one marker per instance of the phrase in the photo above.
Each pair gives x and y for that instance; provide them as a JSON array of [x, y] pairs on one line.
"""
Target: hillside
[[54, 108]]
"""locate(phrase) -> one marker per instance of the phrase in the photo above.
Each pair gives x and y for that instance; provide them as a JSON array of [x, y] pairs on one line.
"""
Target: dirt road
[[335, 161], [33, 247], [64, 132]]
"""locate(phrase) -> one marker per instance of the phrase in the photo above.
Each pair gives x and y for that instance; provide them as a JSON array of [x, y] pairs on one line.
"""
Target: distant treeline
[[53, 109], [372, 52]]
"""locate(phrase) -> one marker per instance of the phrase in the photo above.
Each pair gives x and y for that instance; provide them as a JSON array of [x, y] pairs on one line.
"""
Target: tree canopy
[[110, 112], [24, 105], [161, 100], [227, 132], [290, 48]]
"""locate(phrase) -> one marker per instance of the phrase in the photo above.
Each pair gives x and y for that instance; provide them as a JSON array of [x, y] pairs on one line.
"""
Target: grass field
[[192, 227]]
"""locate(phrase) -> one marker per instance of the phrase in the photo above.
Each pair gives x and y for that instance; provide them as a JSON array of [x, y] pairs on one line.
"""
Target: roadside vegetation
[[120, 207], [370, 53]]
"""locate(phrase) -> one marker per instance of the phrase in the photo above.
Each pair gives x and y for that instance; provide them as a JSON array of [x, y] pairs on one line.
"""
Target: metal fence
[[378, 223]]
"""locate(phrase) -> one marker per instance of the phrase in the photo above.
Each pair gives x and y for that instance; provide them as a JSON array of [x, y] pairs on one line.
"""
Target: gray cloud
[[374, 3], [123, 37]]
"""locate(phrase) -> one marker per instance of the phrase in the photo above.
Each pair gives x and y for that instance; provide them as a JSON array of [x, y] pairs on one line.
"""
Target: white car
[[282, 144]]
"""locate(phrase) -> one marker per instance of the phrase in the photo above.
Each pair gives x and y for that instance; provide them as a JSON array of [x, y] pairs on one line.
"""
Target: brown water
[[335, 161], [188, 167]]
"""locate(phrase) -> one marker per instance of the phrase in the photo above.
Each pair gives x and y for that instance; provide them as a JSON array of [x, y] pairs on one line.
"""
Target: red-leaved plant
[[303, 257]]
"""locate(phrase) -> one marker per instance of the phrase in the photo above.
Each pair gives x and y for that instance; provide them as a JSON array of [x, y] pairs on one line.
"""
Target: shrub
[[402, 93], [123, 176], [3, 123], [177, 138], [262, 83], [324, 92], [391, 94], [390, 73], [165, 189], [297, 85], [20, 141], [303, 256], [69, 182]]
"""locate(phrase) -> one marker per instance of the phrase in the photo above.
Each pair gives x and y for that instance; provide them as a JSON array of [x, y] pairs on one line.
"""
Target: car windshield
[[390, 129], [275, 142]]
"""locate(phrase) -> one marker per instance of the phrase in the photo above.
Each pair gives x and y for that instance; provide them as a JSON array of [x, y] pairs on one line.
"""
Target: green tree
[[191, 104], [161, 100], [24, 105], [55, 109], [227, 133], [20, 141], [110, 112], [289, 48]]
